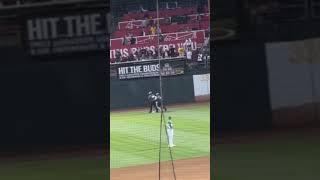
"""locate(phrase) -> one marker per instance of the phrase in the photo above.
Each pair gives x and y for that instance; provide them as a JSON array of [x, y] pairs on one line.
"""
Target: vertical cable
[[160, 141], [162, 119]]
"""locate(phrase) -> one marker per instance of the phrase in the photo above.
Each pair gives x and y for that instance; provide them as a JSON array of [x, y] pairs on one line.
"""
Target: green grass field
[[135, 135]]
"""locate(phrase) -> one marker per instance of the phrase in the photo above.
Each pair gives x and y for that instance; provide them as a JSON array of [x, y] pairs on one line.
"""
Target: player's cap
[[169, 117], [157, 94], [150, 92]]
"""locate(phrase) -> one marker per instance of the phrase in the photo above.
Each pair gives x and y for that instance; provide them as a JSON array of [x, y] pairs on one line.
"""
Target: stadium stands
[[132, 34]]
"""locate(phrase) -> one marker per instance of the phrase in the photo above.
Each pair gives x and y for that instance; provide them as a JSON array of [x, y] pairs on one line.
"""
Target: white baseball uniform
[[170, 133]]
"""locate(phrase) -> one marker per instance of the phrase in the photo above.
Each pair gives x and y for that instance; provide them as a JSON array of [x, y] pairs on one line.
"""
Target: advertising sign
[[148, 69], [53, 34]]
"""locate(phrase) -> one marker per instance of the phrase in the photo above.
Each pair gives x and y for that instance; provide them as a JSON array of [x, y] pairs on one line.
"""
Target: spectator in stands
[[172, 52], [118, 57], [132, 40], [155, 54], [188, 44], [194, 55], [130, 57], [161, 38], [206, 41], [140, 53], [166, 53], [189, 54], [143, 54], [153, 30], [181, 51], [151, 54], [199, 57], [159, 30], [162, 53], [142, 10], [147, 55], [136, 55], [143, 32], [125, 40], [167, 21], [145, 22]]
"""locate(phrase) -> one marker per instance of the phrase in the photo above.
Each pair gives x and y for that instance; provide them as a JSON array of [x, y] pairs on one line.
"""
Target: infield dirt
[[187, 169]]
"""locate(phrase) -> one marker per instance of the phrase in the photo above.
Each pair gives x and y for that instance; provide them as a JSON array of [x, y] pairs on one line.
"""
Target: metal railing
[[148, 60], [155, 19]]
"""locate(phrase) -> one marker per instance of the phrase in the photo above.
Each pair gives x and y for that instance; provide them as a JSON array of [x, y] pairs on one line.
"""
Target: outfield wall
[[133, 93]]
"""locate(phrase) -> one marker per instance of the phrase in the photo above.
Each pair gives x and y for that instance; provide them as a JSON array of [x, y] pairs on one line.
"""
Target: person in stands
[[118, 57], [181, 51], [125, 40], [153, 30], [159, 30], [145, 22], [189, 54], [143, 33], [172, 50], [166, 53], [131, 57], [132, 40], [188, 44], [142, 9]]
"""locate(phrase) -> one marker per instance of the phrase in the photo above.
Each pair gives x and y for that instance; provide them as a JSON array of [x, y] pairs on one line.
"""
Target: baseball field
[[135, 142]]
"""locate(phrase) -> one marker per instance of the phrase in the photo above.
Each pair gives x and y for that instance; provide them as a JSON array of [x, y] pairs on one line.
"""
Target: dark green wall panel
[[132, 93]]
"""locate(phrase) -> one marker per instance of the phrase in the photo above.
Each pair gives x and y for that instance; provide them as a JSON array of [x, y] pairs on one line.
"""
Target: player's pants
[[159, 104], [153, 105], [150, 105], [170, 137]]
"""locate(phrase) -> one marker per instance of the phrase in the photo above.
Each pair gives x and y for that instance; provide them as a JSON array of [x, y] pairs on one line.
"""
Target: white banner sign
[[201, 84], [294, 72]]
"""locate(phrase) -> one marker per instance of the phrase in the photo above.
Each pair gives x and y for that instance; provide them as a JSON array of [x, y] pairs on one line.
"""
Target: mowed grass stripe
[[152, 131], [122, 142], [181, 121], [130, 159], [195, 140]]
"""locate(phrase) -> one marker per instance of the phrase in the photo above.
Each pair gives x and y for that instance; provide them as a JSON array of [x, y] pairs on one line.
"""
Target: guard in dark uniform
[[152, 99]]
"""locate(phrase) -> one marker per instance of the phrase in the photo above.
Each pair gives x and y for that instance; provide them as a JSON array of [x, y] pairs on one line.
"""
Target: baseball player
[[159, 102], [152, 102], [170, 132]]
